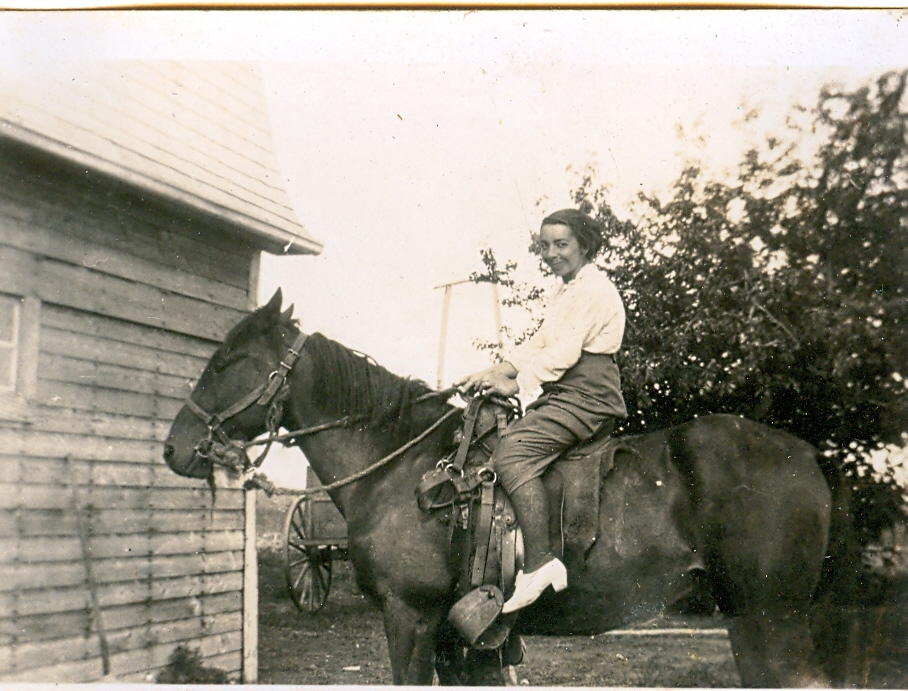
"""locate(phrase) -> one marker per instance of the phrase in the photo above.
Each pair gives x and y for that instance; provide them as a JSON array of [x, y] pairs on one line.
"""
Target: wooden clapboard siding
[[166, 544], [39, 523], [44, 627], [126, 616], [219, 608], [46, 601], [126, 470], [130, 295], [64, 598], [28, 237], [125, 604], [86, 364], [219, 632], [222, 650], [173, 251], [62, 368], [131, 620], [36, 576], [78, 671], [93, 290], [121, 426], [19, 576], [227, 662], [94, 347], [9, 524], [112, 216], [52, 497], [27, 578], [18, 270], [52, 445], [79, 322], [85, 398]]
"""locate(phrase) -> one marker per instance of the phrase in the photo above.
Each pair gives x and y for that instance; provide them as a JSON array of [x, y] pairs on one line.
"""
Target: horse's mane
[[351, 383]]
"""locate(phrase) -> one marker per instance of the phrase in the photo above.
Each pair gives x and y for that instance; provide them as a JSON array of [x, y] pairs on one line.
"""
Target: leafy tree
[[781, 295]]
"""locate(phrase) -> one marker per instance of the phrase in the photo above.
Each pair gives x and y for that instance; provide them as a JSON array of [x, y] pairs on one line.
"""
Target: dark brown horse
[[745, 504]]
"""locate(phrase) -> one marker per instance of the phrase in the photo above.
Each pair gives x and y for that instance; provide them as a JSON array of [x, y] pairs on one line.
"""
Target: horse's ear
[[287, 314], [274, 304]]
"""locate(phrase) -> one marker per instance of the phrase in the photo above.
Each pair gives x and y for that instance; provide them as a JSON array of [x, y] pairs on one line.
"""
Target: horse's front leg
[[457, 665], [411, 634]]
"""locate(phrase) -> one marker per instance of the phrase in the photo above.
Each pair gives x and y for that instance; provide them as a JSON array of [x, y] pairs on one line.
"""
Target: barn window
[[10, 320]]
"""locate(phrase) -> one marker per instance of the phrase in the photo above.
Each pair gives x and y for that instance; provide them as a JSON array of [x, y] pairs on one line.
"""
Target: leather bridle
[[231, 453], [273, 393]]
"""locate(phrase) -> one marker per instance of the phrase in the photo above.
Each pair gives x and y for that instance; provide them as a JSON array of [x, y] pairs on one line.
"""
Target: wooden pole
[[250, 670], [445, 311], [497, 307]]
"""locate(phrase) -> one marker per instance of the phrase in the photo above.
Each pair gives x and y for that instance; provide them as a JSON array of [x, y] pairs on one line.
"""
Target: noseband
[[229, 452]]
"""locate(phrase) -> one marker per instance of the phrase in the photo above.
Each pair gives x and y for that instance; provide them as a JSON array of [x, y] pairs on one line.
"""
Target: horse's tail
[[840, 579], [841, 567]]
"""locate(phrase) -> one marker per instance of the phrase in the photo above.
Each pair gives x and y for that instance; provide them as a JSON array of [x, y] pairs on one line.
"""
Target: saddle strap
[[469, 426], [501, 419], [483, 533], [441, 488], [508, 560], [430, 492]]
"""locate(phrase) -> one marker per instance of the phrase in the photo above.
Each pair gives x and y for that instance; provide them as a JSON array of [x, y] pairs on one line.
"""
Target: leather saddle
[[486, 546], [573, 484]]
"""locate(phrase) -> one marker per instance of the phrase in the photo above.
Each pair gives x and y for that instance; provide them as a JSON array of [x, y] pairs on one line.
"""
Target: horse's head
[[228, 402]]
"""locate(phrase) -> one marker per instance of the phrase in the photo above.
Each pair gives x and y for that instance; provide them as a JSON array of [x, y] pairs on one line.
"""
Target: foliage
[[185, 666], [781, 295]]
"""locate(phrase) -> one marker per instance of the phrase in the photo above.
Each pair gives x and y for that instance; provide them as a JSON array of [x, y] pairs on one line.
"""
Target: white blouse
[[585, 314]]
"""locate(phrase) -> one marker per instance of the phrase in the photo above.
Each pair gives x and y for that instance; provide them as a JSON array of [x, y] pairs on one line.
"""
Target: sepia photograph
[[464, 347]]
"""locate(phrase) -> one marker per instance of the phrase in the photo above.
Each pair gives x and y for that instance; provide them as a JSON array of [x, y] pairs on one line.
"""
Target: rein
[[384, 461], [231, 453]]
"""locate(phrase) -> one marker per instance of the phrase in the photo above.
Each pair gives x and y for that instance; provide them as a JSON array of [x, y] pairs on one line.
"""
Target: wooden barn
[[135, 200]]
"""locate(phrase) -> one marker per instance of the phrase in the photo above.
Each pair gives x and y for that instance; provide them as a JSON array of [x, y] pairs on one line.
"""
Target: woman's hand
[[500, 379]]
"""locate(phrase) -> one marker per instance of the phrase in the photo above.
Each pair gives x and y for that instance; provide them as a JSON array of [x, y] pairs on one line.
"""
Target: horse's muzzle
[[196, 466]]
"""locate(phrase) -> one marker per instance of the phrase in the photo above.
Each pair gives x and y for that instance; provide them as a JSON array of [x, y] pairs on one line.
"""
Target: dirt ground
[[344, 642]]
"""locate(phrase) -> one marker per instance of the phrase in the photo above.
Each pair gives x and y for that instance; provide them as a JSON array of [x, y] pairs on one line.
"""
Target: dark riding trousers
[[569, 411]]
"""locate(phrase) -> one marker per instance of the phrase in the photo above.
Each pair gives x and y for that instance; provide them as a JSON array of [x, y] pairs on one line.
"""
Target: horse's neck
[[337, 455]]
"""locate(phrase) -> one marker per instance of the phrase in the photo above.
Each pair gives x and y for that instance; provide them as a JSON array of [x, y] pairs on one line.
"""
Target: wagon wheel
[[307, 566]]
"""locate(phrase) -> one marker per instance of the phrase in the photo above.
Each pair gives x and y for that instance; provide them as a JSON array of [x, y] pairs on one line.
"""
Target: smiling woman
[[572, 357]]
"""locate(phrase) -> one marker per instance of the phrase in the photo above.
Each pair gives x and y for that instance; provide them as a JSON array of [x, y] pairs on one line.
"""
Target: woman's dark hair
[[588, 231]]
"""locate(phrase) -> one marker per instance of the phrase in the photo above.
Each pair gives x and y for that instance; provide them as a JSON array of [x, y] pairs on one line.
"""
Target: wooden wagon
[[315, 535]]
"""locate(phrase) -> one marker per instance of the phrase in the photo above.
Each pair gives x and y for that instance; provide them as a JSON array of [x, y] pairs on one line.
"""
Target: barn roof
[[196, 132]]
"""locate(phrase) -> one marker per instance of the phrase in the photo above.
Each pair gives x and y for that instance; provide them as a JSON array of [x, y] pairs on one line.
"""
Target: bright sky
[[410, 140]]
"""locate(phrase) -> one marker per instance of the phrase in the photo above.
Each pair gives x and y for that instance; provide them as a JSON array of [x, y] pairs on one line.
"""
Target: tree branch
[[777, 322]]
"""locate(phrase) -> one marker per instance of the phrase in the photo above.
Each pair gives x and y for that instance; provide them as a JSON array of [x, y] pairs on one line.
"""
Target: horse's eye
[[228, 361]]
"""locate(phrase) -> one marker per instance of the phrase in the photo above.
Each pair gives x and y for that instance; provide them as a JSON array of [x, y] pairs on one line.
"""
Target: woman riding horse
[[746, 504], [572, 357]]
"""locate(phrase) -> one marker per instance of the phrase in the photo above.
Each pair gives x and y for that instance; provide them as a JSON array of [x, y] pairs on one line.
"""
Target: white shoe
[[529, 586]]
